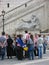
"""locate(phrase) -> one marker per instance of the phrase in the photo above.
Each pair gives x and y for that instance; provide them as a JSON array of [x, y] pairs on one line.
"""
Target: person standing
[[9, 47], [19, 43], [30, 44], [26, 38], [35, 45], [2, 45], [44, 44], [40, 46]]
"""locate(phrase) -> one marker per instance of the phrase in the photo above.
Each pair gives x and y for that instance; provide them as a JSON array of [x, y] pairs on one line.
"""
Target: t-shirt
[[26, 36]]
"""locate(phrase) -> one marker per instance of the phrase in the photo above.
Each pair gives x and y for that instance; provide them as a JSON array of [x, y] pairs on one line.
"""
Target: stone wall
[[39, 8]]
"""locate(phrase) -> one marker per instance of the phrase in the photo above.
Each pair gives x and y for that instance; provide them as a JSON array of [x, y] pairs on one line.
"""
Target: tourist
[[40, 46]]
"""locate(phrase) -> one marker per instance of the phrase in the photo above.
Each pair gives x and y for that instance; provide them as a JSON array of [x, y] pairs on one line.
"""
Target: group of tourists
[[23, 46]]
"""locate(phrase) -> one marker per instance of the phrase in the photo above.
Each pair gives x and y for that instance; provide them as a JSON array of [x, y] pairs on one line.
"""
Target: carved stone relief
[[31, 24]]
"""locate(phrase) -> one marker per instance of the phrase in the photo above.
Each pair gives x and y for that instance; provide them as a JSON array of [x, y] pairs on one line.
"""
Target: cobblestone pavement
[[36, 61]]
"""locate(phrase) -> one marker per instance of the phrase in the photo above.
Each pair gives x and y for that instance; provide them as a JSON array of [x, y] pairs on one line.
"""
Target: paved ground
[[36, 61]]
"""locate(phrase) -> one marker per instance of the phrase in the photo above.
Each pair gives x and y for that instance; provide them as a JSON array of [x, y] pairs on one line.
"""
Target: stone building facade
[[13, 17]]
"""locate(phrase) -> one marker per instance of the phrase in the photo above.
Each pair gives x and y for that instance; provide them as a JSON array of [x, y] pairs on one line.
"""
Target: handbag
[[25, 48]]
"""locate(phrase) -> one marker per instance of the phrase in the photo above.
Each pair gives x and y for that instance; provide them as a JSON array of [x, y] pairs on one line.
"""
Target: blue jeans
[[31, 51], [44, 48], [40, 52], [31, 55], [2, 53]]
